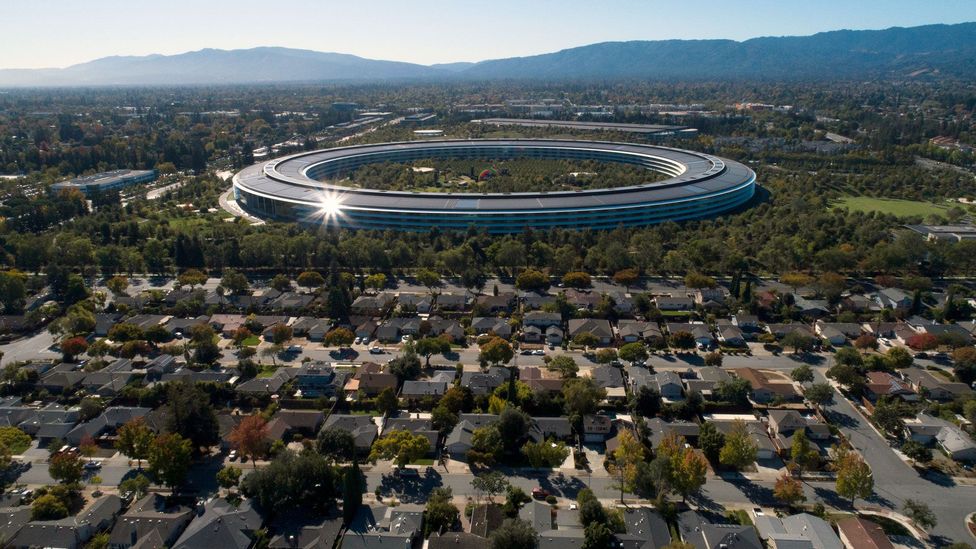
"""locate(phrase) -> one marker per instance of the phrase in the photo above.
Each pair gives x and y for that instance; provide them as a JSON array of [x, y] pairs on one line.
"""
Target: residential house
[[645, 528], [415, 390], [495, 304], [731, 336], [583, 300], [456, 540], [757, 433], [458, 441], [837, 333], [858, 533], [373, 305], [893, 298], [763, 389], [705, 533], [659, 429], [956, 443], [491, 325], [596, 427], [267, 385], [149, 522], [612, 380], [674, 304], [532, 334], [541, 380], [711, 298], [362, 429], [884, 384], [631, 331], [319, 379], [668, 385], [598, 327], [286, 423], [452, 302], [536, 301], [545, 428], [542, 319], [708, 378], [222, 524], [106, 423], [554, 335], [699, 330], [311, 328], [415, 303], [305, 532], [811, 308], [857, 303], [801, 530], [483, 383], [932, 386], [381, 526], [416, 425], [746, 323], [556, 528]]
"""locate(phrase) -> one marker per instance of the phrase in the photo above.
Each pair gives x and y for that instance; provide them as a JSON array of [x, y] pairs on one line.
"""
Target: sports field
[[892, 206]]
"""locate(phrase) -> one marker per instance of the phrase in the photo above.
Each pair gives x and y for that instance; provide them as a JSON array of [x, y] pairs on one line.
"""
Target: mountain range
[[941, 50]]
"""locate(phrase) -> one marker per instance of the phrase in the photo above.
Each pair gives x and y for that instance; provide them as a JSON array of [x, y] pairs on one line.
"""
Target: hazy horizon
[[60, 33]]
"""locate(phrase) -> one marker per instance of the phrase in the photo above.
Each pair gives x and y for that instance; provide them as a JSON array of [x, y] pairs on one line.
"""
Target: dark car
[[540, 493]]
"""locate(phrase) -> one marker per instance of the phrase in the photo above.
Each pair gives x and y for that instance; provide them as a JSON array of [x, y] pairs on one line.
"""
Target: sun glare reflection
[[329, 207]]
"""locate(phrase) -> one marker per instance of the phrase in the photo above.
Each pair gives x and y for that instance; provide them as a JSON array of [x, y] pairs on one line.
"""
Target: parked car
[[538, 352], [406, 473], [294, 349], [93, 465], [375, 351], [357, 341], [233, 455], [540, 493]]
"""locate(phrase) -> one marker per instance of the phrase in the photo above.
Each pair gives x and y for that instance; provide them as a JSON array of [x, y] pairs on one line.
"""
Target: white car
[[358, 339], [405, 339], [538, 352]]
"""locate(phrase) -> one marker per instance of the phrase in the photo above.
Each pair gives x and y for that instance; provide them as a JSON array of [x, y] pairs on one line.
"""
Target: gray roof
[[221, 525]]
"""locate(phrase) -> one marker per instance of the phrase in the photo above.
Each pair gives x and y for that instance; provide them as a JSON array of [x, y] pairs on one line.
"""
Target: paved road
[[34, 347]]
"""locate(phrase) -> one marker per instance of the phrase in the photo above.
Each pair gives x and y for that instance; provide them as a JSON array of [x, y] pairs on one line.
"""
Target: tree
[[920, 514], [376, 281], [48, 507], [597, 536], [628, 454], [293, 481], [565, 365], [679, 468], [339, 337], [854, 479], [713, 358], [336, 444], [796, 280], [486, 445], [923, 342], [169, 459], [898, 358], [386, 401], [586, 339], [697, 280], [407, 365], [582, 395], [66, 467], [191, 277], [514, 534], [845, 374], [352, 493], [310, 279], [250, 437], [802, 453], [228, 477], [711, 441], [513, 426], [626, 277], [545, 453], [646, 401], [788, 490], [234, 281], [440, 514], [798, 341], [739, 450], [887, 416], [496, 351], [819, 393], [917, 452], [735, 391], [400, 446], [865, 342], [964, 364], [72, 347], [606, 356], [531, 279], [633, 352], [430, 346], [577, 279], [683, 340], [802, 374], [134, 440], [281, 282], [190, 414], [490, 483], [281, 334], [137, 485], [428, 278]]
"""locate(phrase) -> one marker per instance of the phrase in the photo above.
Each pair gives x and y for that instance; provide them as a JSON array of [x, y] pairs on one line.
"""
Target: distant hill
[[895, 52], [212, 66], [891, 53]]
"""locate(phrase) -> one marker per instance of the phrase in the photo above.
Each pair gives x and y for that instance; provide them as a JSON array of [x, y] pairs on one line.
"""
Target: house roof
[[863, 534], [597, 326], [456, 540], [361, 428], [222, 524]]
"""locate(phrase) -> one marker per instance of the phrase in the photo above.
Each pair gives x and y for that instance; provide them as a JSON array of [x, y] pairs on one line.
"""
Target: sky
[[59, 33]]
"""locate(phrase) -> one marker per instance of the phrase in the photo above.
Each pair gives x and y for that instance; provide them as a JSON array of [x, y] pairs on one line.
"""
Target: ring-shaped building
[[298, 188]]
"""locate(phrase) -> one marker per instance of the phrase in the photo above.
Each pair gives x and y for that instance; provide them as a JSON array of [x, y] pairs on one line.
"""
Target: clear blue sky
[[57, 33]]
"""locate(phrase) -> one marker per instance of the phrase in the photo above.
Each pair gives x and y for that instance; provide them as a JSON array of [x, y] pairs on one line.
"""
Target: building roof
[[222, 524], [863, 534]]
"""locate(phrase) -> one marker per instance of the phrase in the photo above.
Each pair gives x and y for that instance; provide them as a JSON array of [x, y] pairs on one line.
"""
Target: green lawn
[[252, 341], [267, 371], [422, 462], [897, 207]]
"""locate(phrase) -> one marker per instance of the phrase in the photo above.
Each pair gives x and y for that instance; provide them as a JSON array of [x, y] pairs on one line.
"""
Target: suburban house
[[362, 429], [596, 427], [708, 378], [893, 298], [764, 390], [384, 526], [857, 533], [837, 333], [598, 327], [458, 441], [491, 325], [884, 384], [705, 533], [802, 530], [149, 522], [222, 524], [932, 386], [659, 429], [541, 319], [674, 304], [631, 331]]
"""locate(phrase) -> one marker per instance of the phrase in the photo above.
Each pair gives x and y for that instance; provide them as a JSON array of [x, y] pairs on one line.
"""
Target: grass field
[[252, 341], [896, 207]]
